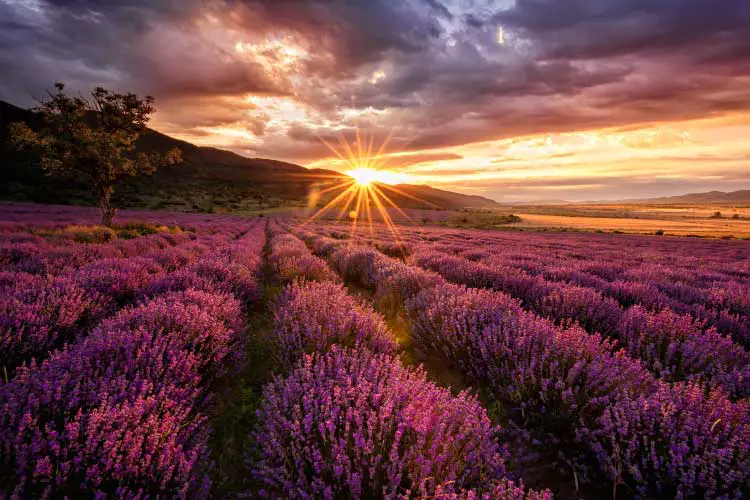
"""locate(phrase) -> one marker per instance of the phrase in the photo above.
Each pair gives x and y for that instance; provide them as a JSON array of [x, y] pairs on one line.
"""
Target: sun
[[364, 176], [365, 194]]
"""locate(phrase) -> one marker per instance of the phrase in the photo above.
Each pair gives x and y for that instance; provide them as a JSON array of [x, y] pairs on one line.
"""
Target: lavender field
[[214, 356]]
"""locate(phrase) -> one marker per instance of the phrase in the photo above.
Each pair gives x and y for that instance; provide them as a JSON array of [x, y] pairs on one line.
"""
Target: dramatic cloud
[[443, 77]]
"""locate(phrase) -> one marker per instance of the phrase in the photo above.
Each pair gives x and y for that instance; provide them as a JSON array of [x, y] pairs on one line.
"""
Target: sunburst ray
[[363, 197]]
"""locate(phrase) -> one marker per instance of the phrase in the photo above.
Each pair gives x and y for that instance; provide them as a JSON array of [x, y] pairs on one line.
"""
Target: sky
[[510, 99]]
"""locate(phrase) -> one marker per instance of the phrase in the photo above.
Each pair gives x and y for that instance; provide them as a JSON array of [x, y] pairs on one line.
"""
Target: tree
[[93, 139]]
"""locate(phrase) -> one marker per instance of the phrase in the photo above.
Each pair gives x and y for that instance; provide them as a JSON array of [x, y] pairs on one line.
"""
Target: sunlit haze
[[511, 100], [366, 176]]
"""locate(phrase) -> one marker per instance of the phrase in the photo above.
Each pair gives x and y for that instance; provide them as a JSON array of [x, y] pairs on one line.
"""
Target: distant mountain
[[438, 198], [207, 179], [741, 197], [541, 202]]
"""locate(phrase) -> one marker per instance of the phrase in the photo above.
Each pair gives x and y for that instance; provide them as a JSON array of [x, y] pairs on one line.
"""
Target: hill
[[208, 179], [741, 197], [438, 197]]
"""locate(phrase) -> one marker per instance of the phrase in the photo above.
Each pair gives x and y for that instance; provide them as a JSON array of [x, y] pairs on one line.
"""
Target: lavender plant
[[353, 424], [310, 317]]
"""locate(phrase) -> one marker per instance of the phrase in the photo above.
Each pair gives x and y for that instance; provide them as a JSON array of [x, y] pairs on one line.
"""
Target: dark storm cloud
[[354, 33], [447, 79], [565, 66], [608, 28], [149, 47], [439, 8]]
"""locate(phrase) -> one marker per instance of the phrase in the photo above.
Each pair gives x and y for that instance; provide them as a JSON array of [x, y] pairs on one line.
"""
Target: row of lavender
[[21, 251], [347, 419], [69, 288], [53, 249], [15, 216], [709, 280], [120, 409], [674, 346], [657, 439], [714, 291], [613, 256]]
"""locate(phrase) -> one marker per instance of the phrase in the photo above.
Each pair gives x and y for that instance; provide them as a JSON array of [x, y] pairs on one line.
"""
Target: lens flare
[[363, 191], [364, 176]]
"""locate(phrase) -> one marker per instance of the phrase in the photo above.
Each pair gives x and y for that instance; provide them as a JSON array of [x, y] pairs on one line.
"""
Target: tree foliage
[[93, 139]]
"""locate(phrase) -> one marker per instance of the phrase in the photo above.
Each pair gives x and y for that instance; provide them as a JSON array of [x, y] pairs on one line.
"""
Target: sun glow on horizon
[[365, 176], [368, 190]]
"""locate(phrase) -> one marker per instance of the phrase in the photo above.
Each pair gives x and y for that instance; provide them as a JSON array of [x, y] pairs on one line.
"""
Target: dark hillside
[[208, 179]]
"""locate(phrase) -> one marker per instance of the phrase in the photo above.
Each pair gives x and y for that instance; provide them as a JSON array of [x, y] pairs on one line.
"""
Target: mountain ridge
[[207, 178], [741, 196], [706, 197]]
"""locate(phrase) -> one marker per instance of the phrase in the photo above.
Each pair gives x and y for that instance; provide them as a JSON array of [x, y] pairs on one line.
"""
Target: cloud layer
[[269, 77]]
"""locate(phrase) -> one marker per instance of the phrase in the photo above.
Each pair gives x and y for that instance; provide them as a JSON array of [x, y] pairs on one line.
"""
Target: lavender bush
[[310, 317], [148, 367], [352, 424], [677, 347], [678, 442], [38, 314], [587, 307], [557, 377], [119, 279], [292, 260], [500, 490]]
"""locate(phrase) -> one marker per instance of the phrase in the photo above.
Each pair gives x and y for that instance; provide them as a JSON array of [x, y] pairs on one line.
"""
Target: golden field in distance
[[678, 220]]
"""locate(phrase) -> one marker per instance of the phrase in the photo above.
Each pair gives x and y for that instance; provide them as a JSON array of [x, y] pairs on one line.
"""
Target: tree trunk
[[108, 211]]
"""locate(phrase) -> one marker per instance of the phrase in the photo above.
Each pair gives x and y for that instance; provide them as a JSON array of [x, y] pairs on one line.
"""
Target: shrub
[[358, 263], [229, 276], [676, 347], [558, 378], [311, 317], [677, 443], [119, 279], [307, 267], [397, 282], [398, 249], [90, 234], [39, 314], [23, 256], [325, 247], [594, 312], [628, 293], [352, 424], [174, 258], [292, 260], [122, 415], [447, 317], [137, 229], [500, 490]]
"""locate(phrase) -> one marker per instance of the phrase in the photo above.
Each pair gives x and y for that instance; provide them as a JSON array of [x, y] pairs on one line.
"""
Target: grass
[[240, 396], [235, 408], [103, 234], [480, 220], [138, 229]]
